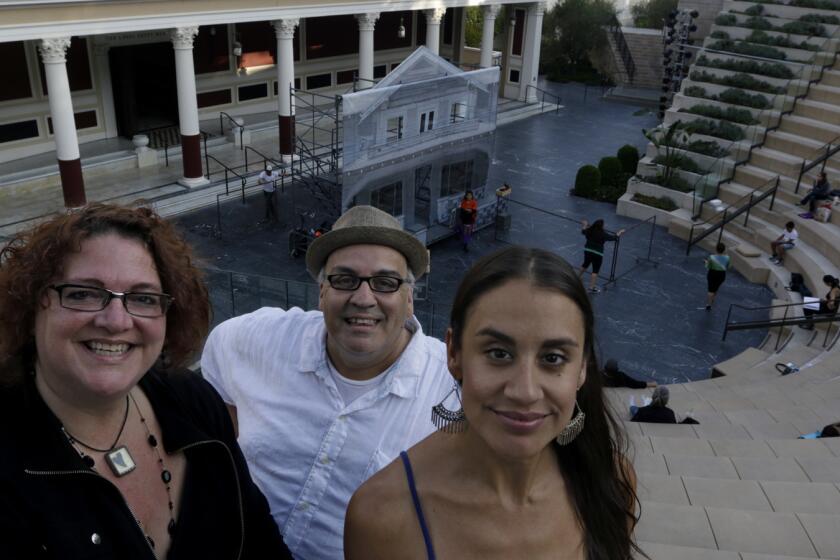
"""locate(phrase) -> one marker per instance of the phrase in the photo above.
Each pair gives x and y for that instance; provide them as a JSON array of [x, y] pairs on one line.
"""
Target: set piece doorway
[[144, 86]]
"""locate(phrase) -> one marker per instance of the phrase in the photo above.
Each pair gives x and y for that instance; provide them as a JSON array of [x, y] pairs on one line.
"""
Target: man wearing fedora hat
[[324, 399]]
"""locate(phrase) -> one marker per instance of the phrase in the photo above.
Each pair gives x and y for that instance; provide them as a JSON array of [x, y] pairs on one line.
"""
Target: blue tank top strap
[[409, 474]]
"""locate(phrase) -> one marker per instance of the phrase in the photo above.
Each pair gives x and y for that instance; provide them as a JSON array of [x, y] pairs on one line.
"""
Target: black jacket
[[655, 415], [51, 504]]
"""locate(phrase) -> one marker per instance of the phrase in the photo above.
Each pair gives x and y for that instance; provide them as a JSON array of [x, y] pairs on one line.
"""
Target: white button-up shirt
[[307, 451]]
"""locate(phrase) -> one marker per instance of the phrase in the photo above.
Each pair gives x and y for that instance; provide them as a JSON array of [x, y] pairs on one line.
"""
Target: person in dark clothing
[[112, 449], [820, 191], [593, 251], [657, 412], [827, 305], [614, 377]]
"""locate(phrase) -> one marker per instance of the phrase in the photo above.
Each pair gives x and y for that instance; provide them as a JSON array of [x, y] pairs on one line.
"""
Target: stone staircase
[[740, 485]]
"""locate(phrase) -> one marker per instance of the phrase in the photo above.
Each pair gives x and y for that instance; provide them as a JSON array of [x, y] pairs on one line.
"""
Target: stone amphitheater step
[[793, 144], [761, 532], [753, 495], [831, 77], [825, 93], [776, 161], [819, 110], [659, 551], [815, 128]]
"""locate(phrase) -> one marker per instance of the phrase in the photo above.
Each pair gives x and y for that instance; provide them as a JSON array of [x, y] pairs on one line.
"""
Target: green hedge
[[629, 157], [763, 38], [723, 129], [804, 28], [740, 80], [679, 161], [748, 49], [675, 183], [587, 181], [726, 19], [663, 203], [737, 96], [610, 168], [740, 116], [820, 18], [818, 4], [707, 148], [770, 69]]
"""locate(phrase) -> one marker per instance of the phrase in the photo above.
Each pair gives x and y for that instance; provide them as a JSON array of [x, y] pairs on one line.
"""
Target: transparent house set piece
[[414, 142]]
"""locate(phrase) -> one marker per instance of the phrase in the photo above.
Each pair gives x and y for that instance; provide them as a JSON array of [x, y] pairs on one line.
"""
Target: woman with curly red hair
[[111, 449]]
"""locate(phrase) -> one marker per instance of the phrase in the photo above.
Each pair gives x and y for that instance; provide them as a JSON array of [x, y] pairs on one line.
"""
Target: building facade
[[84, 70]]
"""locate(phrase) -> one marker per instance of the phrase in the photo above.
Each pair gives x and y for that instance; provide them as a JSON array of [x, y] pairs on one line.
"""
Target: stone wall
[[709, 9]]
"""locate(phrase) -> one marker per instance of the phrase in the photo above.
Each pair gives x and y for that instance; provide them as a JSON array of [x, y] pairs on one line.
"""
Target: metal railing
[[742, 206], [623, 48], [234, 127], [542, 98], [786, 320], [829, 149], [229, 171]]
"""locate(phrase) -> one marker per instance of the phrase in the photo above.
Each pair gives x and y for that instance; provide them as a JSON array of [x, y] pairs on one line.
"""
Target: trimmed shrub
[[675, 183], [749, 49], [756, 10], [742, 80], [757, 22], [763, 38], [628, 155], [707, 148], [587, 181], [718, 34], [737, 96], [725, 130], [679, 161], [771, 69], [818, 4], [804, 28], [610, 168], [695, 91], [663, 202], [819, 18], [740, 116], [726, 19]]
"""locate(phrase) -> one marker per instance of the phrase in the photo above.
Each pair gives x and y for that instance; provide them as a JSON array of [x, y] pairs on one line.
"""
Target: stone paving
[[648, 320]]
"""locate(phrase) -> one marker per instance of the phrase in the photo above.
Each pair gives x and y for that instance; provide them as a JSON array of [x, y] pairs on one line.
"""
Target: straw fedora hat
[[362, 225]]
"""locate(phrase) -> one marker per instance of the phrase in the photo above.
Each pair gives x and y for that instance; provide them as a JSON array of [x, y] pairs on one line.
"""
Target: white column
[[488, 25], [182, 43], [366, 25], [531, 52], [54, 55], [433, 19], [284, 31], [106, 90]]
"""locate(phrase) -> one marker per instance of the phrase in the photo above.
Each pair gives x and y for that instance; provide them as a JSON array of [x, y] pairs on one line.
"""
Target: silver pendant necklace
[[119, 459]]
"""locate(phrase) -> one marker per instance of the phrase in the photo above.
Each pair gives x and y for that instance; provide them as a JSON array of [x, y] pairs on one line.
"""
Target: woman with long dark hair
[[528, 462], [467, 213], [829, 304]]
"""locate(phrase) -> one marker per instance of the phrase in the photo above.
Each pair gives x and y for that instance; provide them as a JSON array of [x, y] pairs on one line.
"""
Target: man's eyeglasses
[[90, 298], [351, 282]]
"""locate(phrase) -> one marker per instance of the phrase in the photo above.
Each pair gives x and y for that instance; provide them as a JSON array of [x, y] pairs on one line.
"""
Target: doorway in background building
[[144, 85]]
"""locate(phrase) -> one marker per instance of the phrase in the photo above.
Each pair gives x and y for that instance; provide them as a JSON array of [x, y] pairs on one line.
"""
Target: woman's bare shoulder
[[380, 521]]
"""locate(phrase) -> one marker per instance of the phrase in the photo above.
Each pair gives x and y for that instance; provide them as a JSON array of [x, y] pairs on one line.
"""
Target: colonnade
[[53, 54]]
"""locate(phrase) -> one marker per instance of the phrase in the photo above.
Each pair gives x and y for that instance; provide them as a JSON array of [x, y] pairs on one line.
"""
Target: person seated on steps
[[657, 412], [828, 305], [785, 242], [614, 377], [829, 431], [820, 191]]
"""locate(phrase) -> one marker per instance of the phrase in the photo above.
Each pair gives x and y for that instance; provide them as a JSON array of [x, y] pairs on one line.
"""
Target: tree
[[669, 140], [572, 29], [651, 14], [474, 26]]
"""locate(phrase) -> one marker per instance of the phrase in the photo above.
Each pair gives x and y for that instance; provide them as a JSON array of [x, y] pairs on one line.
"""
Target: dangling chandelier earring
[[451, 422], [573, 428]]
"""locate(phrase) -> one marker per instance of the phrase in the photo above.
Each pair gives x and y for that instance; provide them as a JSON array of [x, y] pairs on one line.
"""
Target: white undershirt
[[351, 389]]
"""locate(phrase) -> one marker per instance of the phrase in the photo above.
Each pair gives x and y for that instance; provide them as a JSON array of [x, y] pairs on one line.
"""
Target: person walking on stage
[[593, 252], [267, 181], [716, 265]]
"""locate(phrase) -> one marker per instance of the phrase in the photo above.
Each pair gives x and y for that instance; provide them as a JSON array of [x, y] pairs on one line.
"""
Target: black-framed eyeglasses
[[91, 298], [351, 282]]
